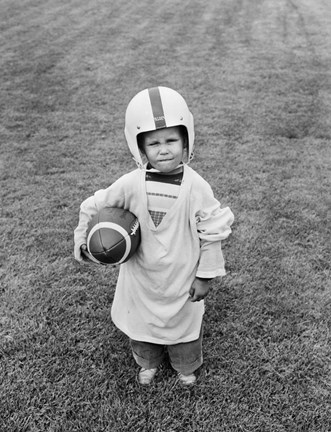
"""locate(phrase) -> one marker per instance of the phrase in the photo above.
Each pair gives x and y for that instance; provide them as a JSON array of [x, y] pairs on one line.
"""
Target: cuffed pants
[[184, 357]]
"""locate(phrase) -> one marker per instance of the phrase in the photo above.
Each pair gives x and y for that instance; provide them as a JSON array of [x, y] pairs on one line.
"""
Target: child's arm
[[88, 209], [212, 230], [114, 196], [213, 225]]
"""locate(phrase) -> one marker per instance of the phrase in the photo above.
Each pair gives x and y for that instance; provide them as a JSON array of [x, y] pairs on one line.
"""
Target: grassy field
[[256, 74]]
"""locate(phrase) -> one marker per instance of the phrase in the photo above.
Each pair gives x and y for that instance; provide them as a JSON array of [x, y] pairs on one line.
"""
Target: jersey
[[162, 191]]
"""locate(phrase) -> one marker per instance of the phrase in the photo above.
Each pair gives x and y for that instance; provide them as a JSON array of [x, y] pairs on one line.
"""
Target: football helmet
[[153, 109]]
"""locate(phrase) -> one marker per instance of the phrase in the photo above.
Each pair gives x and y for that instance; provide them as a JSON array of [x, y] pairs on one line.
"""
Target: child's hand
[[80, 252], [199, 289]]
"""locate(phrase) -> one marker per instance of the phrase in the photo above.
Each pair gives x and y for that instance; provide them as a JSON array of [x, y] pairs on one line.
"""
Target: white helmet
[[156, 108]]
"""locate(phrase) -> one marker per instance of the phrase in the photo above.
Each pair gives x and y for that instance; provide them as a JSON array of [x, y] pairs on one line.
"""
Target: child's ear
[[143, 155]]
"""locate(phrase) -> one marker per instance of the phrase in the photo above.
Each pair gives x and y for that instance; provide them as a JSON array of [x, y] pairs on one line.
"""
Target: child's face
[[164, 148]]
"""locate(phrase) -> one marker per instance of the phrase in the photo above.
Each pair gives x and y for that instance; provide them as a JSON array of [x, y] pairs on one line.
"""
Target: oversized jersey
[[151, 301]]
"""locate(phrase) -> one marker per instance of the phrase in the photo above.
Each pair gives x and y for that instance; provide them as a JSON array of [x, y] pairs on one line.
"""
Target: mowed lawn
[[256, 75]]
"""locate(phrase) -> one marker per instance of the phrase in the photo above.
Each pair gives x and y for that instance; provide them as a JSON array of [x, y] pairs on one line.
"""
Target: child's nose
[[163, 149]]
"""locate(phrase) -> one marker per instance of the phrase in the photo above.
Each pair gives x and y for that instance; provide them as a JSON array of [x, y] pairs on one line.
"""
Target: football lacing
[[135, 227]]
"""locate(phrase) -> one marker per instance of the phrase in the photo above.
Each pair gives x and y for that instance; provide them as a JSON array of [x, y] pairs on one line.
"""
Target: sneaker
[[187, 379], [146, 376]]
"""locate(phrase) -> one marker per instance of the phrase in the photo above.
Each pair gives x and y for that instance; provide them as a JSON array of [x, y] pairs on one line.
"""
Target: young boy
[[158, 301]]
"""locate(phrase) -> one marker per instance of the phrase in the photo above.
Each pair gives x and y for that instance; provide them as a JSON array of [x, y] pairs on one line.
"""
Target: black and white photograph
[[165, 216]]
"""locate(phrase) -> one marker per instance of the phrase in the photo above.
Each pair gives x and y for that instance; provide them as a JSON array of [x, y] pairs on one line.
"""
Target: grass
[[256, 76]]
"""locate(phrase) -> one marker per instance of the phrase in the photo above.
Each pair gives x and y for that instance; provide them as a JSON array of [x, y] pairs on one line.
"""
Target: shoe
[[146, 376], [187, 379]]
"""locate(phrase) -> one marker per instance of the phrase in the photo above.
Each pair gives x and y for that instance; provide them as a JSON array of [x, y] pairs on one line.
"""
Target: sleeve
[[213, 226], [113, 196]]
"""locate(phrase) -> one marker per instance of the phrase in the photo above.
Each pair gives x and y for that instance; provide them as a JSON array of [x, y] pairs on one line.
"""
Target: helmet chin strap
[[191, 157], [139, 164]]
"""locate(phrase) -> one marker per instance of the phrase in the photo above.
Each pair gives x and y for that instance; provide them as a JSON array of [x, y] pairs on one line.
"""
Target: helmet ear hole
[[140, 142], [184, 135]]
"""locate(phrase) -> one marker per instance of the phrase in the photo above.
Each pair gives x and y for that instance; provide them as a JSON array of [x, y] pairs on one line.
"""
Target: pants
[[184, 357]]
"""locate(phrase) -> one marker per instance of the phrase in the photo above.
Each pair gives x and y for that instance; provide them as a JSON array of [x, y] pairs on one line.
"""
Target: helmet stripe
[[157, 108]]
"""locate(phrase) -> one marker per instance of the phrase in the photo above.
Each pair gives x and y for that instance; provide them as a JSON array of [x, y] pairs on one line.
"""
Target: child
[[158, 301]]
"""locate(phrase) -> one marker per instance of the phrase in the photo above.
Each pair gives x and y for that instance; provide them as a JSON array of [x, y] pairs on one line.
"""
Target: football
[[113, 236]]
